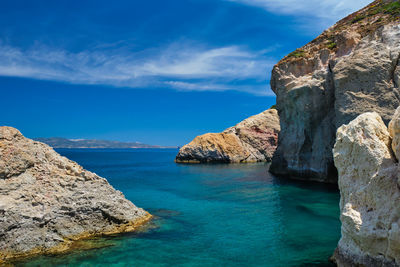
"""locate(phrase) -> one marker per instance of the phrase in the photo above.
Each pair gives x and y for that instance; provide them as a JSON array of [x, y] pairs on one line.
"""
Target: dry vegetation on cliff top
[[364, 22]]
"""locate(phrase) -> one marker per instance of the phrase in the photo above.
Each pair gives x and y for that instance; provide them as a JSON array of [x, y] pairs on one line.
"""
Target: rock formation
[[47, 201], [370, 191], [254, 139], [351, 68]]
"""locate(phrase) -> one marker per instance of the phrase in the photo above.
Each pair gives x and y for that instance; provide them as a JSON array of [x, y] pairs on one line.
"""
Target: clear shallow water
[[209, 215]]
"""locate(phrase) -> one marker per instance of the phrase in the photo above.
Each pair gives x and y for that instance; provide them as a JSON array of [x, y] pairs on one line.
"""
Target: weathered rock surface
[[254, 139], [47, 201], [370, 192], [394, 131], [350, 69]]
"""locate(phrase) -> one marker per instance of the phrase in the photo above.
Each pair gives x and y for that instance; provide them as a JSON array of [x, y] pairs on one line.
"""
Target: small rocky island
[[48, 202], [252, 140]]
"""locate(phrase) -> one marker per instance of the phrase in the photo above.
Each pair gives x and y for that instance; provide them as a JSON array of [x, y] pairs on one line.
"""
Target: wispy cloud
[[327, 11], [182, 67], [262, 89], [229, 62]]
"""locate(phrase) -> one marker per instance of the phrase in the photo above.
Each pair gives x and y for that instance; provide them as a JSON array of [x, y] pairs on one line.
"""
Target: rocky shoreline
[[335, 98], [69, 243], [338, 93], [48, 202], [253, 140]]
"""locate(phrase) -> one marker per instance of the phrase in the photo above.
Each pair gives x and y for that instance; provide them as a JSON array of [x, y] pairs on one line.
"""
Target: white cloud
[[229, 61], [327, 11], [188, 86], [182, 67], [261, 90]]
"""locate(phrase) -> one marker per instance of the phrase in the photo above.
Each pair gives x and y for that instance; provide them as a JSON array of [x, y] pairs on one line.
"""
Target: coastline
[[179, 227], [70, 242], [167, 147], [178, 161]]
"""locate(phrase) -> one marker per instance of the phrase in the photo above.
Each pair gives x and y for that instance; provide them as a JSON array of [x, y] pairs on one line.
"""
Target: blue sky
[[154, 71]]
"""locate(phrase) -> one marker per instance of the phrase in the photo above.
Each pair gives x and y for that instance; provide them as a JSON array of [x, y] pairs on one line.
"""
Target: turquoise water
[[209, 215]]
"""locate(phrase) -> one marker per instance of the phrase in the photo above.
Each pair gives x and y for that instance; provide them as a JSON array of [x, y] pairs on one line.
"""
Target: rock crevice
[[394, 73]]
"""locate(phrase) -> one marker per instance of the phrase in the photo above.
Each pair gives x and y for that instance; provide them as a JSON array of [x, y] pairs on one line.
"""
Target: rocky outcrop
[[47, 201], [370, 191], [254, 139], [349, 69]]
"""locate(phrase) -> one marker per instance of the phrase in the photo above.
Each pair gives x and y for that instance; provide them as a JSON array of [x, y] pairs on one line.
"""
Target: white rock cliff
[[370, 191], [350, 69]]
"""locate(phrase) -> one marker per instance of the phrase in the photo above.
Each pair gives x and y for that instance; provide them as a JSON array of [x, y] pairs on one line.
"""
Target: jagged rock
[[370, 192], [394, 131], [251, 140], [349, 69], [47, 201]]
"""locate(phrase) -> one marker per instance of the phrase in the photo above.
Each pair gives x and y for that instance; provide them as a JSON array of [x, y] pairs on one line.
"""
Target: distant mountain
[[58, 142]]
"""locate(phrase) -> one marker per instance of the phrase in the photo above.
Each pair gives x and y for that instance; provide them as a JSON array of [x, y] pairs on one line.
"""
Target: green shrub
[[332, 45], [358, 18], [392, 8], [298, 53]]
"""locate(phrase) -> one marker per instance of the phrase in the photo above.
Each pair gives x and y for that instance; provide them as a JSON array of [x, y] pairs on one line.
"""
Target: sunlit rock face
[[370, 191], [349, 69], [252, 140], [47, 201]]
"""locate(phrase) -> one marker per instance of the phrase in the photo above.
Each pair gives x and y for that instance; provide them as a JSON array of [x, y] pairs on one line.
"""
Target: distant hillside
[[58, 142]]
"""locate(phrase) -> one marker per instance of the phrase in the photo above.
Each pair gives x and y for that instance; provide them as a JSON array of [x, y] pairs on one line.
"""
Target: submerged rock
[[252, 140], [351, 68], [370, 191], [47, 201]]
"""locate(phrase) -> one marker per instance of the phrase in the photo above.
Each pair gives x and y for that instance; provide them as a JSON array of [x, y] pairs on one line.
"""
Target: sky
[[155, 71]]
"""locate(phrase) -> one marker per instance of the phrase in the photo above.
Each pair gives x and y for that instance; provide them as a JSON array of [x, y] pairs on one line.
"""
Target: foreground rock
[[370, 191], [254, 139], [349, 69], [47, 201]]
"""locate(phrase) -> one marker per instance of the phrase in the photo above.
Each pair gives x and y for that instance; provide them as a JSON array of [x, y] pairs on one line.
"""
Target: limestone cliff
[[254, 139], [47, 201], [370, 191], [351, 68]]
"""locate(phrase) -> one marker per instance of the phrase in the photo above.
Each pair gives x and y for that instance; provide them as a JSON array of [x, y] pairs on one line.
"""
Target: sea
[[207, 214]]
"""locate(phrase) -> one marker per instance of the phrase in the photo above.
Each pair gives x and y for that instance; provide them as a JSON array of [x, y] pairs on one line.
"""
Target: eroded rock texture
[[254, 139], [350, 69], [48, 201], [370, 191]]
